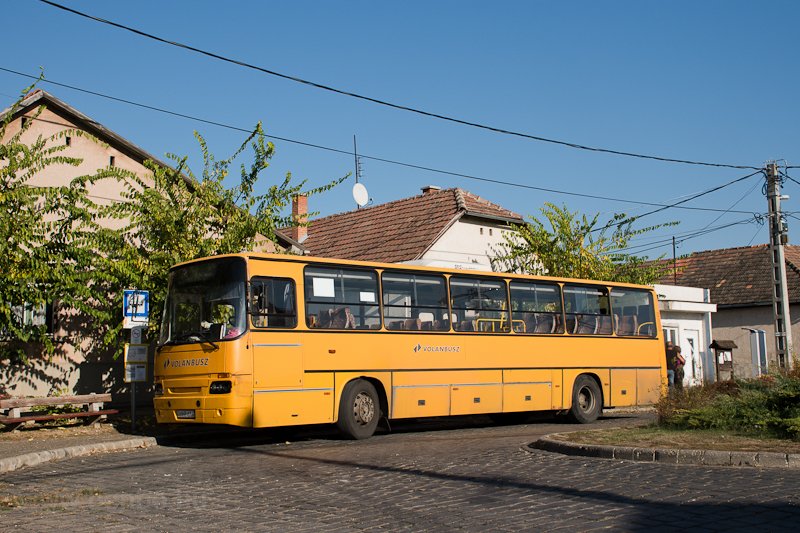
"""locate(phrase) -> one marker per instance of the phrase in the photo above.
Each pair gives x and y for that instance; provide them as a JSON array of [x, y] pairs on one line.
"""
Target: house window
[[414, 302], [339, 298], [68, 141], [758, 349], [479, 305], [33, 316], [111, 161]]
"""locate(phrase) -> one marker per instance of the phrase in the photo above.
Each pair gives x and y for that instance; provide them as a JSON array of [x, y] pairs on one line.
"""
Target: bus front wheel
[[359, 410], [587, 400]]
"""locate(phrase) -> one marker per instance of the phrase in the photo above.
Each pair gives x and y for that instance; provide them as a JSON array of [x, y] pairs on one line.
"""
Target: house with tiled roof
[[739, 281], [440, 227]]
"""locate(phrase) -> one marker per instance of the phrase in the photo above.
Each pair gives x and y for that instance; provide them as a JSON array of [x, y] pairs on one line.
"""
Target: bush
[[765, 406]]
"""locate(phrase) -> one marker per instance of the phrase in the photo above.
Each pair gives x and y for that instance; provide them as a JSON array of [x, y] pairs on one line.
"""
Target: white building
[[686, 321]]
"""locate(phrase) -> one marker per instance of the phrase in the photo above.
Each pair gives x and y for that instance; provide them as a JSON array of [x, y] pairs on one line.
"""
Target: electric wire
[[384, 102], [372, 158], [628, 220]]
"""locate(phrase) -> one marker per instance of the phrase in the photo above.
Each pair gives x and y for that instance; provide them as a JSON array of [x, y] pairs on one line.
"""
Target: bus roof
[[305, 259]]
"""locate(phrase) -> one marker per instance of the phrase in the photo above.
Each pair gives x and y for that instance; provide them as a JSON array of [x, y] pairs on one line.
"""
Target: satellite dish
[[360, 194]]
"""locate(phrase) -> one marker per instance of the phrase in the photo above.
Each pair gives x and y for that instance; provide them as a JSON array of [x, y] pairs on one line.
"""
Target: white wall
[[467, 244], [687, 311]]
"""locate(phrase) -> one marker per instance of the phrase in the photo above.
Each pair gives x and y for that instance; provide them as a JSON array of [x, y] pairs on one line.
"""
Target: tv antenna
[[360, 194]]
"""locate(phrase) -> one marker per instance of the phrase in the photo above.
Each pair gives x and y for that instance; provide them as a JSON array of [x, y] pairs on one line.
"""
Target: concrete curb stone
[[36, 458], [673, 456]]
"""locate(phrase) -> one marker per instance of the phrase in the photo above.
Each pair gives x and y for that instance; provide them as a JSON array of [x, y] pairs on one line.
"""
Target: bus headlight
[[220, 387]]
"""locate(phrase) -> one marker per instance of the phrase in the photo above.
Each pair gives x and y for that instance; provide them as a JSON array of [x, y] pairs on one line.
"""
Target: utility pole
[[778, 237]]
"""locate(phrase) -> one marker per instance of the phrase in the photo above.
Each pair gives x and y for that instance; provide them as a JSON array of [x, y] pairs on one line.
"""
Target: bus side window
[[272, 303], [341, 298], [482, 303], [634, 315]]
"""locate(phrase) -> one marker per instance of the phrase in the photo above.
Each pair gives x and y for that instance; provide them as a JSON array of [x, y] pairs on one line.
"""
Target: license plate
[[185, 414]]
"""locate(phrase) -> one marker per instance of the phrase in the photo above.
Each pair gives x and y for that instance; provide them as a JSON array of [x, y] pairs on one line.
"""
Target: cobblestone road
[[468, 478]]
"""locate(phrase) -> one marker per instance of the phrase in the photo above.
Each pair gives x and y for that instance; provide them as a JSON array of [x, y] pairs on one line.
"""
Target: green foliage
[[57, 244], [179, 217], [566, 244], [43, 231], [768, 405]]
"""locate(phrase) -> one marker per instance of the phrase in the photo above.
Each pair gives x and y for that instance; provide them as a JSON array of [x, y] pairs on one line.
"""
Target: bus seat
[[604, 325], [465, 325], [586, 324], [412, 324], [627, 325], [427, 325], [324, 319], [544, 323], [396, 325]]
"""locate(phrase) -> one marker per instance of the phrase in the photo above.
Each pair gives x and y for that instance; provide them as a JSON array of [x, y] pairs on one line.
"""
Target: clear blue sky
[[711, 81]]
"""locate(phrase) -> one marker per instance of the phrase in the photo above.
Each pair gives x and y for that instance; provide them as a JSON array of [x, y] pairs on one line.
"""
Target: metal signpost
[[135, 313]]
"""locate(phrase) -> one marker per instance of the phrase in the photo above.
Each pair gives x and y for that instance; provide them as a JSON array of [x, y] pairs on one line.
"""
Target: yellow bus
[[264, 340]]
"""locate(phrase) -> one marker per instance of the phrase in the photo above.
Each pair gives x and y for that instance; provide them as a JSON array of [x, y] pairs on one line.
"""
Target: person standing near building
[[670, 353], [679, 363]]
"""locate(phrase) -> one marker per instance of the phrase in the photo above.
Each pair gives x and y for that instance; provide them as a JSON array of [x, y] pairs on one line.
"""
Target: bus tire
[[587, 400], [359, 410]]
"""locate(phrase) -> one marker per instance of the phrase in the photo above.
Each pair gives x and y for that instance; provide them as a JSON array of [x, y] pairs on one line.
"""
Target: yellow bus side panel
[[649, 384], [531, 390], [474, 399], [419, 401], [312, 404], [623, 387], [277, 364]]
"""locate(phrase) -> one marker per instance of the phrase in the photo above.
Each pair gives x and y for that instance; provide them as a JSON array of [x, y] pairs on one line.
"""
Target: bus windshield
[[205, 302]]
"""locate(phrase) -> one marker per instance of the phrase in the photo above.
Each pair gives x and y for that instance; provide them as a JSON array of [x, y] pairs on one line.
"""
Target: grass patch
[[760, 414], [694, 439]]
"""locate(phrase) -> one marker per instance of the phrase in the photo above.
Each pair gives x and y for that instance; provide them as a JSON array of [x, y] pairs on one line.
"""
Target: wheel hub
[[363, 409]]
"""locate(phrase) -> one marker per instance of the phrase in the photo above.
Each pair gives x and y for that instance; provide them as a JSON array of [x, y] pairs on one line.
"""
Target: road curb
[[36, 458], [672, 456]]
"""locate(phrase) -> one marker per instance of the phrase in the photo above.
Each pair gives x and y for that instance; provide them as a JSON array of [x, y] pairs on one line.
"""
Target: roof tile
[[737, 276], [397, 231]]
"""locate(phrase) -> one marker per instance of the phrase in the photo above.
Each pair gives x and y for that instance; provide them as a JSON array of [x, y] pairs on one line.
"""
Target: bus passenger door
[[277, 353]]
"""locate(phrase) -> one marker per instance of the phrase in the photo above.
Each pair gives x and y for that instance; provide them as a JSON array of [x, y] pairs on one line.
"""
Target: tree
[[566, 244], [58, 245], [43, 232], [180, 217]]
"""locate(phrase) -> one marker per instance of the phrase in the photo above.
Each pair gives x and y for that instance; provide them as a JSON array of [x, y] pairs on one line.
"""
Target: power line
[[676, 204], [660, 243], [384, 102], [372, 158]]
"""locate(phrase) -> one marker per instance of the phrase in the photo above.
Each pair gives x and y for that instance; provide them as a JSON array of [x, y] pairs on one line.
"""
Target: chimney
[[299, 214], [430, 188]]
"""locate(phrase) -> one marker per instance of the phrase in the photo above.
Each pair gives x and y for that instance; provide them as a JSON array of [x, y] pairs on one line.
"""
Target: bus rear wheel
[[359, 410], [587, 400]]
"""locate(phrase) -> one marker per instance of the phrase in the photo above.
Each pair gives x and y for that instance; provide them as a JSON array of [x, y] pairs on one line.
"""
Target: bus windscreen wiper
[[196, 336]]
